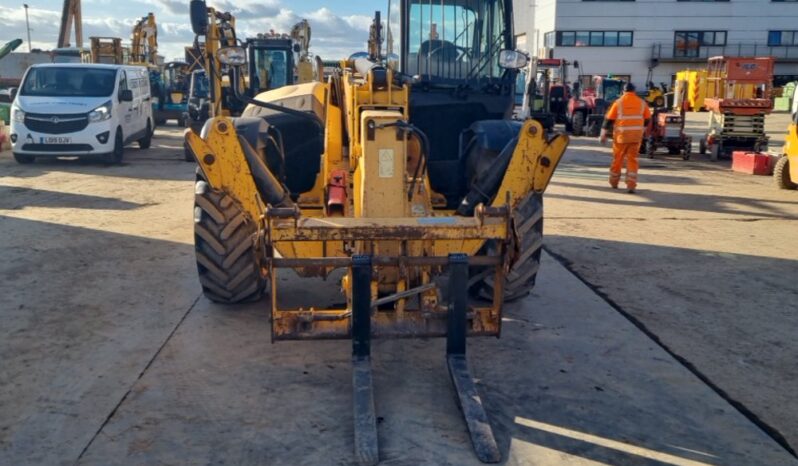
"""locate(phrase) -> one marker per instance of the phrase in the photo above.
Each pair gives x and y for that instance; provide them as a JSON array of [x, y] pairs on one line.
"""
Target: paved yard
[[111, 356]]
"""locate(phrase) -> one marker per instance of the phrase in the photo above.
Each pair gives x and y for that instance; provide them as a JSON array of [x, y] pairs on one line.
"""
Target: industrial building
[[627, 38]]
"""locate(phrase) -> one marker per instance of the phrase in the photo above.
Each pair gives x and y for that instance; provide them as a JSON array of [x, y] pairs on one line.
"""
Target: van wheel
[[24, 159], [119, 149], [146, 141]]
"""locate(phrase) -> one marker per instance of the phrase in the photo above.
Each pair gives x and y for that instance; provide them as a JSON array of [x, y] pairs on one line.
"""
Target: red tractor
[[666, 129], [586, 109]]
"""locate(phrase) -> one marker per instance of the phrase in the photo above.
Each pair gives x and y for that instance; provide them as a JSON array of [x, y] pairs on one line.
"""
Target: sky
[[340, 27]]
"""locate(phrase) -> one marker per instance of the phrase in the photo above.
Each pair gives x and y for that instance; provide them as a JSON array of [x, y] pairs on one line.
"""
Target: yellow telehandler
[[785, 172], [410, 178]]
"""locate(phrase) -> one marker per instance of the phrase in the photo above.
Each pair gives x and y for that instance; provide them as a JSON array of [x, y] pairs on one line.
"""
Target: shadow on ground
[[708, 203], [570, 382], [155, 163], [83, 311], [703, 314], [13, 198]]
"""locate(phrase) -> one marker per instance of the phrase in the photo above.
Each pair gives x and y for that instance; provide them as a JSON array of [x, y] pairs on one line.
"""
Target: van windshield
[[71, 82]]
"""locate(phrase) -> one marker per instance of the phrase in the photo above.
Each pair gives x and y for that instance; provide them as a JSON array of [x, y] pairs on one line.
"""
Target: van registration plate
[[55, 140]]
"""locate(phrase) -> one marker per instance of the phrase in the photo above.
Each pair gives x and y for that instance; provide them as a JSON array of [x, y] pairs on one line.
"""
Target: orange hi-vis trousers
[[621, 152]]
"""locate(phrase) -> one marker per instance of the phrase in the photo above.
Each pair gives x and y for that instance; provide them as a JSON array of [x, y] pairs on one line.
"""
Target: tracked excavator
[[409, 181]]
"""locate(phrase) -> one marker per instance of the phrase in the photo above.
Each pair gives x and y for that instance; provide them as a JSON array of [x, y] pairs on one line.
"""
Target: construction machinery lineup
[[416, 193], [403, 178], [273, 61]]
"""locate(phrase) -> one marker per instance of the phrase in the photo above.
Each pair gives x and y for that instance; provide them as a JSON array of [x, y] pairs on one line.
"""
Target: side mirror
[[513, 60], [12, 93], [199, 17], [126, 95], [232, 56]]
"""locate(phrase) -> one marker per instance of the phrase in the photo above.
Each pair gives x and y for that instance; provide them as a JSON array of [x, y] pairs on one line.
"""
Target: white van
[[75, 109]]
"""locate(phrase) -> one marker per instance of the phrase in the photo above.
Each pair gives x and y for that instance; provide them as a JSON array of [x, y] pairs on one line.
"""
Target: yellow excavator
[[144, 42], [408, 181]]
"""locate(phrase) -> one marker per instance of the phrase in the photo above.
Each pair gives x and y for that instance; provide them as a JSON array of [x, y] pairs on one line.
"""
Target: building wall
[[14, 65], [545, 16], [654, 22], [523, 11]]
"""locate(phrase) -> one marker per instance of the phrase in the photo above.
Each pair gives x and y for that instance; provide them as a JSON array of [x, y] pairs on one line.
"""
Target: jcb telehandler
[[411, 179], [785, 172]]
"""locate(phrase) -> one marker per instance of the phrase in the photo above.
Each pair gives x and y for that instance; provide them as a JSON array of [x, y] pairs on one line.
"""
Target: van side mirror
[[12, 93], [126, 95], [199, 17]]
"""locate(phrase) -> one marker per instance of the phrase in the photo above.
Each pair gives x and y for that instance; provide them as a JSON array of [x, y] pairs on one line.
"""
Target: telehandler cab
[[410, 178]]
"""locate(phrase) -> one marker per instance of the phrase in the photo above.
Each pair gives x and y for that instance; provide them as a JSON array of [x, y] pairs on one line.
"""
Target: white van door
[[141, 94], [146, 107], [126, 109]]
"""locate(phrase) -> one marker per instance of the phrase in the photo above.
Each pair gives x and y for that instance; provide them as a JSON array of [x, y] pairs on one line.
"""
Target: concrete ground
[[111, 356], [701, 257]]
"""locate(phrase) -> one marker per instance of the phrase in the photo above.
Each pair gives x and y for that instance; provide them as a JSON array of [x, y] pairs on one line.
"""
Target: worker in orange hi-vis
[[627, 118]]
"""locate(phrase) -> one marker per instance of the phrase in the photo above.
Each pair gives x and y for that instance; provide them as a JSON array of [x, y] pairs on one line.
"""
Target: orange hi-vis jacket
[[629, 113]]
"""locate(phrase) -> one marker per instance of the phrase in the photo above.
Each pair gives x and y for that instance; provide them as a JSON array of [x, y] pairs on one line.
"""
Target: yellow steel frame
[[409, 244], [144, 42], [790, 150]]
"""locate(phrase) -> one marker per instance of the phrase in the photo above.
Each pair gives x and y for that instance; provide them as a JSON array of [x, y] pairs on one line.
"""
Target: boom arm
[[220, 33], [144, 41], [69, 14], [9, 47], [300, 34]]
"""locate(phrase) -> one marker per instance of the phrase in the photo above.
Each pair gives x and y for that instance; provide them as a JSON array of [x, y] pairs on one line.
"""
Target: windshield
[[454, 39], [272, 68], [612, 90], [175, 76], [199, 85], [69, 82]]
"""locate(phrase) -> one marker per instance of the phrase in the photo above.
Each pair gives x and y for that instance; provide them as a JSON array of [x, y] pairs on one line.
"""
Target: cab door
[[134, 82], [126, 109]]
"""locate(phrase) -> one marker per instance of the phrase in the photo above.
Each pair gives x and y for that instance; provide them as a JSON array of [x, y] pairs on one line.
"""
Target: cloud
[[334, 36], [248, 9]]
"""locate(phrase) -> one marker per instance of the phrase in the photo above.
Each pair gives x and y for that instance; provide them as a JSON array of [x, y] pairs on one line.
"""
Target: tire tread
[[225, 249]]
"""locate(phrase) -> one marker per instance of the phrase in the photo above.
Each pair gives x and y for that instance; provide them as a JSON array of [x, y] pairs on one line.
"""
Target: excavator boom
[[70, 15]]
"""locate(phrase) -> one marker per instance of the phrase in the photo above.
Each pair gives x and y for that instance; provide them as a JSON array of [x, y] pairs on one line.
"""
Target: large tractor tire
[[781, 174], [224, 241], [486, 161], [578, 124], [518, 283]]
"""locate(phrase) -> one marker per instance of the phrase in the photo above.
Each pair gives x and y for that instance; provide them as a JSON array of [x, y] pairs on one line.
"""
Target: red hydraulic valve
[[336, 193]]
